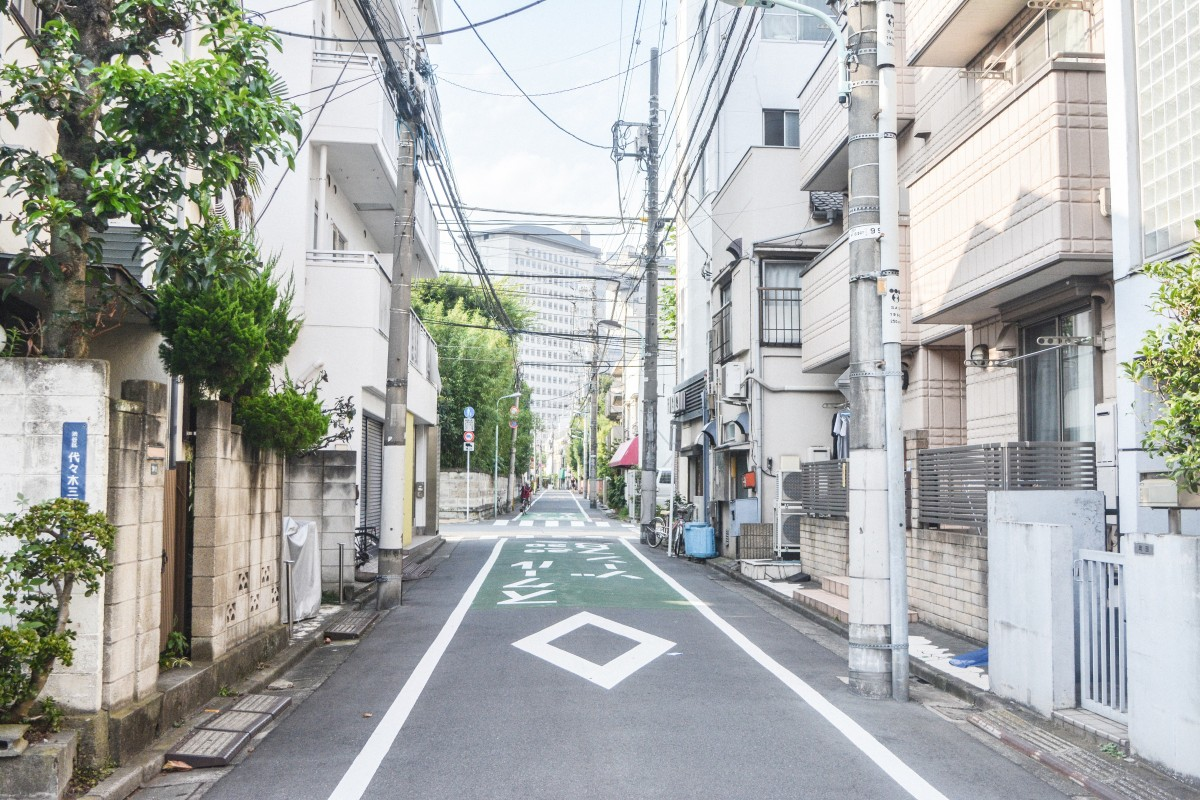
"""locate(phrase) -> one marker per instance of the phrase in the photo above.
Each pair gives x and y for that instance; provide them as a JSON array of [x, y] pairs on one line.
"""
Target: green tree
[[1168, 364], [56, 546], [137, 135], [477, 366]]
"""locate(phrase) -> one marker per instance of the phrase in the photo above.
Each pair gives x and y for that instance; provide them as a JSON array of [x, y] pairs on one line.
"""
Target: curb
[[129, 777]]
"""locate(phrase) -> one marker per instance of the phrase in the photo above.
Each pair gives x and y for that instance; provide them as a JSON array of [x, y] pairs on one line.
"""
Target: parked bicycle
[[674, 540], [366, 544]]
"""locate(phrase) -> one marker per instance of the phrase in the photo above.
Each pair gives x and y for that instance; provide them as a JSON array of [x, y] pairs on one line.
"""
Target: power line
[[393, 40], [513, 80]]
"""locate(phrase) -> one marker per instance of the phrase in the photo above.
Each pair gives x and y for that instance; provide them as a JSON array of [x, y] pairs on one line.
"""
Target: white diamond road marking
[[649, 647]]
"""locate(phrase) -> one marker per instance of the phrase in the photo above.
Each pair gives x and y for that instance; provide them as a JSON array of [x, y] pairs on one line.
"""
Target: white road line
[[576, 523], [501, 522], [356, 780], [577, 505], [601, 524], [551, 523], [885, 759], [525, 523]]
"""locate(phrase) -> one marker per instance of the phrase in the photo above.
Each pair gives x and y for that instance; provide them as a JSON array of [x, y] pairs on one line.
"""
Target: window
[[787, 25], [316, 240], [781, 128], [338, 240], [702, 34], [780, 302], [1064, 33], [1058, 387], [722, 330]]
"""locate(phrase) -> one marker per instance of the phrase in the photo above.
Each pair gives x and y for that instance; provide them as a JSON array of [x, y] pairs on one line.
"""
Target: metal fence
[[817, 489], [953, 482], [1103, 651]]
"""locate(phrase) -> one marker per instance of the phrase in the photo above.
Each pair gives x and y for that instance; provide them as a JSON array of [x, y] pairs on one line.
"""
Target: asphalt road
[[569, 661]]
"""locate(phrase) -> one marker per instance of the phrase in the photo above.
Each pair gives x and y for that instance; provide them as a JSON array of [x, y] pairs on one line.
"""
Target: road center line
[[888, 761], [354, 783]]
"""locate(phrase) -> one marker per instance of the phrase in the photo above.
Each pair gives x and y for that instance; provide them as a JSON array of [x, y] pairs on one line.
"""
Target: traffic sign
[[468, 447], [468, 436], [468, 424], [512, 424], [468, 412], [514, 411]]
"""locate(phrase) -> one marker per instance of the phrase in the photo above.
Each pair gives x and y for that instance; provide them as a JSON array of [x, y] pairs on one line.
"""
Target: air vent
[[790, 487]]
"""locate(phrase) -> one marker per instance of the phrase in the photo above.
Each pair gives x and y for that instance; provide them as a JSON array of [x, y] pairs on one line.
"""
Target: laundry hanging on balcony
[[840, 431]]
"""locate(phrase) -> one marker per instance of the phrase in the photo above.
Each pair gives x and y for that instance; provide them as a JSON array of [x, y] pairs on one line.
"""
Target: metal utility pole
[[650, 361], [395, 484], [889, 271], [870, 656]]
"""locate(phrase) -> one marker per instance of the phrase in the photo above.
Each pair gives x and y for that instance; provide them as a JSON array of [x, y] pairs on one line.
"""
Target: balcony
[[826, 291], [950, 33], [424, 381], [359, 128], [1010, 212], [824, 123], [348, 280]]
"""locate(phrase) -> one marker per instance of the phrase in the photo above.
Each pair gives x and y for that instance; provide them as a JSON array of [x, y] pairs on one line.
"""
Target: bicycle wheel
[[658, 533], [675, 547]]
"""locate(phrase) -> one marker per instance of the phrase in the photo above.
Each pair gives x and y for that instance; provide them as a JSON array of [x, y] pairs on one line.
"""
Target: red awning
[[627, 454]]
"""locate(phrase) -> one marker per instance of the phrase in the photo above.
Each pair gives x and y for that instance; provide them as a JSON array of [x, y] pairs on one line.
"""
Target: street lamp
[[496, 456], [876, 439]]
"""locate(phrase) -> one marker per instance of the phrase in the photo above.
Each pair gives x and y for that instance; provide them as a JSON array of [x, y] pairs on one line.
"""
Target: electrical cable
[[513, 80], [395, 40]]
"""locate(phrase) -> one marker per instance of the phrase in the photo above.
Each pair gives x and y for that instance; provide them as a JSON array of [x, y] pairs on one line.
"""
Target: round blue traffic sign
[[468, 412]]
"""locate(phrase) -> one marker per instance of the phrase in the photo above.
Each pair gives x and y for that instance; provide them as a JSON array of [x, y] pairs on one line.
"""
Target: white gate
[[1103, 678]]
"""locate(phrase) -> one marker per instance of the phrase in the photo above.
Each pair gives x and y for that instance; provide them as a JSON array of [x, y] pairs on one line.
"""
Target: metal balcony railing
[[953, 482]]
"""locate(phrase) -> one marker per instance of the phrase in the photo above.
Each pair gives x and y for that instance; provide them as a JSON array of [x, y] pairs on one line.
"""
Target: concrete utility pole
[[395, 502], [870, 586], [889, 270], [594, 379], [650, 362]]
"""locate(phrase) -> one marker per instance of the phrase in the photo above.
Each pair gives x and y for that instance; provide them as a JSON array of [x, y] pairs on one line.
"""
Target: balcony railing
[[422, 351], [722, 334], [780, 318], [953, 482]]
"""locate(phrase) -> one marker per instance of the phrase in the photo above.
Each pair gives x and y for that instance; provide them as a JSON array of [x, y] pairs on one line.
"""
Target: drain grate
[[262, 704], [246, 721], [414, 572], [209, 748], [352, 626]]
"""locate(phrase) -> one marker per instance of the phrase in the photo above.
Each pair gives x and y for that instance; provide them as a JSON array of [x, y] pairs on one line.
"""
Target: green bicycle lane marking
[[563, 573]]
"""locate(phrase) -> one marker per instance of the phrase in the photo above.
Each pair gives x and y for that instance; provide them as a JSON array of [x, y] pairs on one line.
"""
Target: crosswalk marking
[[551, 523], [576, 523], [502, 522], [526, 523]]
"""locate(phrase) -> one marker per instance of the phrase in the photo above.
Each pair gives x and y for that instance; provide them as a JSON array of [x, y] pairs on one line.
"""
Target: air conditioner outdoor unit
[[789, 488], [733, 381], [788, 530], [817, 454]]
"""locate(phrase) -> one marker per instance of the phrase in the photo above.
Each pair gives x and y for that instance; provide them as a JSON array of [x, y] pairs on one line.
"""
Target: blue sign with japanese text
[[74, 461]]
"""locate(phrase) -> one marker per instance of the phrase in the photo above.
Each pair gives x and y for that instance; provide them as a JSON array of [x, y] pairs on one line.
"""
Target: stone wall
[[452, 495], [323, 487], [38, 395], [132, 618], [236, 536], [825, 546], [947, 580]]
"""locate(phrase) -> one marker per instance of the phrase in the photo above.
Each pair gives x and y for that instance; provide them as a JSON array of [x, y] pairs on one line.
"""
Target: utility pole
[[650, 362], [594, 379], [395, 484], [870, 657], [889, 271]]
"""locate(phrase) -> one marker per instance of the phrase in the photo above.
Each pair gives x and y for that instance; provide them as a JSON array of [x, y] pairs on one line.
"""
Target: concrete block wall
[[236, 536], [947, 580], [37, 395], [825, 548], [133, 593], [323, 487], [452, 494]]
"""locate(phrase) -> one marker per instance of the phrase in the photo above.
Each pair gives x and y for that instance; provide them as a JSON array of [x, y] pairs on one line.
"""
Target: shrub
[[290, 421], [61, 544]]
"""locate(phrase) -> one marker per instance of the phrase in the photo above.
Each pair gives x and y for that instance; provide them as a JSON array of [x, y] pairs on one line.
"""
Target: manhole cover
[[247, 721], [208, 748], [352, 626], [262, 704]]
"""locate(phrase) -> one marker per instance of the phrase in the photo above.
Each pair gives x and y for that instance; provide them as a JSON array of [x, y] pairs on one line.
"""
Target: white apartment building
[[561, 279], [331, 221]]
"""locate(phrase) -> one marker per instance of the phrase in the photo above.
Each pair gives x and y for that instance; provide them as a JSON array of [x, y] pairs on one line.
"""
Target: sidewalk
[[1080, 746]]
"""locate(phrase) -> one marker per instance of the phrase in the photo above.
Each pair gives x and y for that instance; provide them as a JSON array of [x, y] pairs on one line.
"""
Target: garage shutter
[[372, 473]]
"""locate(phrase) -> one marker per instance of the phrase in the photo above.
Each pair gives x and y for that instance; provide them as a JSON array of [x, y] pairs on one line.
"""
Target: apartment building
[[561, 279], [1015, 320], [331, 223]]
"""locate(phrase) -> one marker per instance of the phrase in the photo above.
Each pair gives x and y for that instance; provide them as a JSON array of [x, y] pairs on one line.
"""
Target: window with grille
[[779, 302]]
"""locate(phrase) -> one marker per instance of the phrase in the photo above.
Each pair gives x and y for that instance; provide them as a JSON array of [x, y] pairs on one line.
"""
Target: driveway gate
[[1103, 678]]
